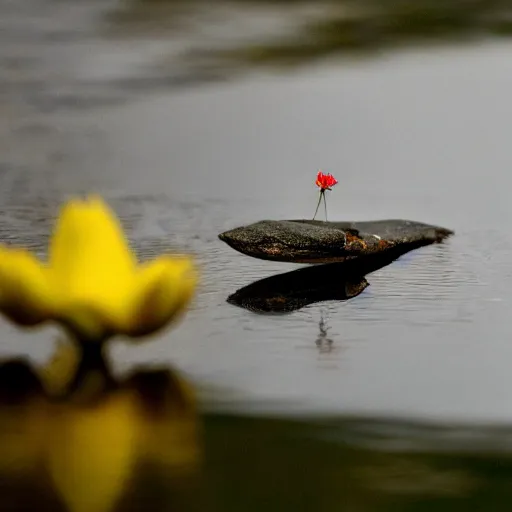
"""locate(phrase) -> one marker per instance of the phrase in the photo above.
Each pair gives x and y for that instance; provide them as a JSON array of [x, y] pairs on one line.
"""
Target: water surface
[[420, 134]]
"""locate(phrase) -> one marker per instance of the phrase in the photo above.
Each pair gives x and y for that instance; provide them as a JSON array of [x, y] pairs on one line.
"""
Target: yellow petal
[[89, 258], [164, 290], [25, 293]]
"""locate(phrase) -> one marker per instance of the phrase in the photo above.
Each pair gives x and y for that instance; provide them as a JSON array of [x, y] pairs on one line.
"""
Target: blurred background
[[194, 117]]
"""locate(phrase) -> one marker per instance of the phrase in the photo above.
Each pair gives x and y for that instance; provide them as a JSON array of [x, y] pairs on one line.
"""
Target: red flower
[[325, 181]]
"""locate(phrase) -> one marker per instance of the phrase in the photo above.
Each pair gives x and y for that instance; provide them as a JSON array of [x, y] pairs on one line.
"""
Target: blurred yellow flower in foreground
[[92, 283]]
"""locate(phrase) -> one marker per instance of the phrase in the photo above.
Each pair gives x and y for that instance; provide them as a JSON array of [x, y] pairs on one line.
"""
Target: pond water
[[419, 134]]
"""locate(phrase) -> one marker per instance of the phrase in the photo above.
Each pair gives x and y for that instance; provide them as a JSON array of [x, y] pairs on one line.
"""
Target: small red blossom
[[325, 181]]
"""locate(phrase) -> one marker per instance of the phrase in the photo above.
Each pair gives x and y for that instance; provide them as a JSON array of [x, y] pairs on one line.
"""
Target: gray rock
[[308, 241]]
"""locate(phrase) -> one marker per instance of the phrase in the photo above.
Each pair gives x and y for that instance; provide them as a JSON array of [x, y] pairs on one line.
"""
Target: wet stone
[[307, 241]]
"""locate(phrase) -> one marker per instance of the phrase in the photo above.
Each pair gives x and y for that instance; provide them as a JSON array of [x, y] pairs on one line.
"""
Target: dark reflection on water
[[137, 443], [323, 341], [265, 463], [318, 30], [191, 43], [96, 443], [288, 292], [284, 293]]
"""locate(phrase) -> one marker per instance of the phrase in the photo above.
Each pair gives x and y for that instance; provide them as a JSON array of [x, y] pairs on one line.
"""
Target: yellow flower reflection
[[92, 283], [131, 443]]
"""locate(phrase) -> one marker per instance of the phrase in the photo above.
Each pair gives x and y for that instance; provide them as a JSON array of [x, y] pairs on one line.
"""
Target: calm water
[[422, 135]]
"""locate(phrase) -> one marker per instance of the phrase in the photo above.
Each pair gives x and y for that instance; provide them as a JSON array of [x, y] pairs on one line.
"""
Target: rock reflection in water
[[106, 445], [284, 293]]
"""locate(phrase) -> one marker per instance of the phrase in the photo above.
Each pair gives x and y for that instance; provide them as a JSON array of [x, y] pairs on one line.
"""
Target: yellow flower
[[92, 283]]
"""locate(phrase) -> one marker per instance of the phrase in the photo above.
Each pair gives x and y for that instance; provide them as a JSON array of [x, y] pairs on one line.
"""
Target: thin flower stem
[[92, 362], [325, 206], [322, 194]]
